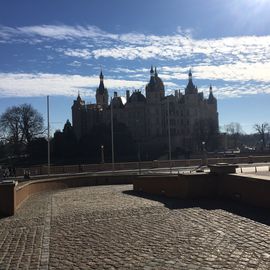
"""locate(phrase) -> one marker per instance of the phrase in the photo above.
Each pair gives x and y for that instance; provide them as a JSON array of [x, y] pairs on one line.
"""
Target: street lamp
[[169, 135], [138, 145], [102, 153], [204, 159], [48, 135], [112, 134]]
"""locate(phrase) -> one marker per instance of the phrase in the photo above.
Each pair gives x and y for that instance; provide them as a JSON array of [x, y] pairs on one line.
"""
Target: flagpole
[[48, 135], [112, 134], [169, 133]]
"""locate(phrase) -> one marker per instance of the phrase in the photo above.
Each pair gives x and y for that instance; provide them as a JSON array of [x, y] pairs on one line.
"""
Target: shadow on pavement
[[257, 214], [2, 216]]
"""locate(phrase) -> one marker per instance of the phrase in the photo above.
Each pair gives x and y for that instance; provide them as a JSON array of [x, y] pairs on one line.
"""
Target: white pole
[[112, 134], [169, 133], [48, 136]]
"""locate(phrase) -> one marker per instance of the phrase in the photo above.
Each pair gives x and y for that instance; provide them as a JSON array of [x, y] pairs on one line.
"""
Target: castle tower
[[211, 99], [191, 88], [155, 88], [78, 116], [102, 96], [212, 107], [159, 84]]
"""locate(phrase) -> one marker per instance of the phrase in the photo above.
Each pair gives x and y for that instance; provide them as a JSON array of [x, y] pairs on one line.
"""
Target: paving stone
[[109, 227]]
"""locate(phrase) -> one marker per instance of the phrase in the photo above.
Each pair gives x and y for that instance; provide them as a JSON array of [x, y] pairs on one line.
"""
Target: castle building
[[190, 117]]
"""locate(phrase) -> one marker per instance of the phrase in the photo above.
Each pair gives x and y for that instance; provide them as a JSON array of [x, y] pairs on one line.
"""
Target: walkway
[[109, 227]]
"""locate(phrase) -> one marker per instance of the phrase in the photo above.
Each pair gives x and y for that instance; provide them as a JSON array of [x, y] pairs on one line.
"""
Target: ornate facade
[[191, 116]]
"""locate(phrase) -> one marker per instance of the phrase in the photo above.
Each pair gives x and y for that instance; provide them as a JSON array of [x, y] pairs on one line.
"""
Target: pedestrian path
[[110, 227]]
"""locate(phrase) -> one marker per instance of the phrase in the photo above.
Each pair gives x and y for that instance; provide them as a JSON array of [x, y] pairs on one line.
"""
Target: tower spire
[[101, 75], [152, 71], [101, 92], [190, 74]]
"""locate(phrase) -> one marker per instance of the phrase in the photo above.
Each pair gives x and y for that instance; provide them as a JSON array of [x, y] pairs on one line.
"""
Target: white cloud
[[65, 31], [181, 45], [75, 64], [80, 53], [235, 72], [40, 84], [229, 59]]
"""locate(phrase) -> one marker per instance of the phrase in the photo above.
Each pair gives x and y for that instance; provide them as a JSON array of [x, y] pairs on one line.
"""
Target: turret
[[78, 111], [211, 98], [190, 75], [191, 88], [102, 92], [152, 74]]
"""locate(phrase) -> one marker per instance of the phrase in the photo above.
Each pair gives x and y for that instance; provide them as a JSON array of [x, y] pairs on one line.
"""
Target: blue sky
[[56, 48]]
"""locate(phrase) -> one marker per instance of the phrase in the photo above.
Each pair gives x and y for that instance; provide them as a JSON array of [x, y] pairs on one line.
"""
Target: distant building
[[193, 118]]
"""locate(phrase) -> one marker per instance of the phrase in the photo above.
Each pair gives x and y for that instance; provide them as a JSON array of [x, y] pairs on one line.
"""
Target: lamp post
[[112, 134], [102, 153], [204, 159], [48, 127], [169, 135], [138, 145], [139, 156]]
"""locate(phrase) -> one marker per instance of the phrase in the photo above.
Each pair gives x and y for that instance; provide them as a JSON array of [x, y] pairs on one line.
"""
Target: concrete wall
[[246, 189], [182, 186], [12, 196], [254, 190]]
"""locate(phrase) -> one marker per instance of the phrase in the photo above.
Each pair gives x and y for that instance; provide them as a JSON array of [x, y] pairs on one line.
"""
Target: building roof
[[155, 83], [117, 102], [137, 96]]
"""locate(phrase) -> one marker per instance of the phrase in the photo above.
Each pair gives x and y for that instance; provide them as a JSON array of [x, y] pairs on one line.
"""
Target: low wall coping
[[222, 168], [8, 183], [252, 177], [69, 177]]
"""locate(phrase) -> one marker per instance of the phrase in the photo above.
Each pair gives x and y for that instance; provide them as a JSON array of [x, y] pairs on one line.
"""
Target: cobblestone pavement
[[109, 227]]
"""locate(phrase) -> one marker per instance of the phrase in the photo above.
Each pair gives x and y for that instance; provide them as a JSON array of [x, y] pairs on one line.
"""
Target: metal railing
[[84, 168]]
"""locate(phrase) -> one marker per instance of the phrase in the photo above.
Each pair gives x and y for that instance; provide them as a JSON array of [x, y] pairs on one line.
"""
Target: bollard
[[7, 198], [255, 169], [241, 170]]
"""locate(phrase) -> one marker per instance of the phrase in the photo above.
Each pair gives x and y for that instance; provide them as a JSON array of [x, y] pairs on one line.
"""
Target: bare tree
[[234, 130], [10, 125], [262, 130], [31, 122], [20, 124], [205, 130]]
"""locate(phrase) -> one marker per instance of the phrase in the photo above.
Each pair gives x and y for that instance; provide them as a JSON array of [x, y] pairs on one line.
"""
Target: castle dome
[[137, 96], [155, 83]]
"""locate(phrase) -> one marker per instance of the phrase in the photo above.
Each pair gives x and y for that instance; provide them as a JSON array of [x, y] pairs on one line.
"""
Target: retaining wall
[[254, 190], [250, 189], [12, 195]]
